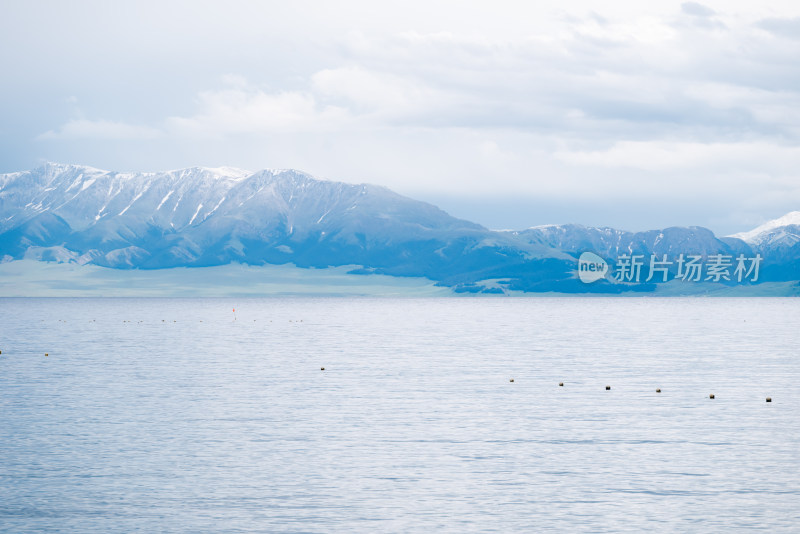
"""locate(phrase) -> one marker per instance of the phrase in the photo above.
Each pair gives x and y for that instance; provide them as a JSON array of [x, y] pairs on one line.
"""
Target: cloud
[[100, 129], [376, 94], [590, 79], [759, 158], [554, 106], [782, 27], [697, 10], [701, 17], [243, 110]]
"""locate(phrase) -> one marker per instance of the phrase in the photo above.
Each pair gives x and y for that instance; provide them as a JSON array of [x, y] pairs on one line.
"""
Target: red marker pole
[[234, 314]]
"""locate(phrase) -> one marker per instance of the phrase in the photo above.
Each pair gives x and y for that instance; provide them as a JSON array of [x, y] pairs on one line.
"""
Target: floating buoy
[[511, 380], [658, 390], [711, 396], [561, 384], [608, 387], [769, 399], [46, 354], [321, 368]]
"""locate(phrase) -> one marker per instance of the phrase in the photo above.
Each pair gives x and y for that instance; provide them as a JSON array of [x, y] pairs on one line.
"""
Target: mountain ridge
[[202, 216]]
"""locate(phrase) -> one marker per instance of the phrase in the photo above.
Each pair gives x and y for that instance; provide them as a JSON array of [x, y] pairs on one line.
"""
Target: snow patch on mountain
[[774, 232]]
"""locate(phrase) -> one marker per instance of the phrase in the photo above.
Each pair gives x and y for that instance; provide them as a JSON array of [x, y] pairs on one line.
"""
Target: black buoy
[[321, 368], [608, 387], [769, 399], [561, 384], [711, 396], [511, 380], [46, 354], [658, 390]]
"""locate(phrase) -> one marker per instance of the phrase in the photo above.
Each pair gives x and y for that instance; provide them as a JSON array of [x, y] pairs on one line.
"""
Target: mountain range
[[201, 217]]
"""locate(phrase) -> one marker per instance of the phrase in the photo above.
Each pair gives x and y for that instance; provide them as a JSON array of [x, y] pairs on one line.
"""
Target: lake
[[181, 415]]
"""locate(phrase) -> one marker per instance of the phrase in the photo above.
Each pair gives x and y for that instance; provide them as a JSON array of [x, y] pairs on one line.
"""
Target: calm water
[[168, 415]]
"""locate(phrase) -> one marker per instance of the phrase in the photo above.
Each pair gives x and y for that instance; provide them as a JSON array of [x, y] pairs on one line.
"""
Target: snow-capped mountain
[[778, 240], [611, 243], [84, 196], [201, 217], [215, 216], [778, 243], [783, 232]]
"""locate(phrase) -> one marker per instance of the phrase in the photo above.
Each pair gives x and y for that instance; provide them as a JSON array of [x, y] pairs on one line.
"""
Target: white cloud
[[242, 110], [697, 158], [517, 98], [374, 93], [100, 129], [587, 78]]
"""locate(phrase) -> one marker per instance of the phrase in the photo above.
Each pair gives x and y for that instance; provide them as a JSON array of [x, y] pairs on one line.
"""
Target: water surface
[[169, 415]]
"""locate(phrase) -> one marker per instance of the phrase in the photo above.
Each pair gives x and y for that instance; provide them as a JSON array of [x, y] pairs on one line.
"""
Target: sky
[[511, 114]]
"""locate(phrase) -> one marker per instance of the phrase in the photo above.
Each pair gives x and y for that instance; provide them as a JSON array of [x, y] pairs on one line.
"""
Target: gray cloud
[[697, 10], [783, 27], [428, 100]]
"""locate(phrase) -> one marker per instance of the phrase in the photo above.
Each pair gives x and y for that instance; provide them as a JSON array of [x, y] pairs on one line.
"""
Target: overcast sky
[[511, 114]]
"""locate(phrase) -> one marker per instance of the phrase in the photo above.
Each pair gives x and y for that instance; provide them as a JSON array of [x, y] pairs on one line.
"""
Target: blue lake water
[[167, 415]]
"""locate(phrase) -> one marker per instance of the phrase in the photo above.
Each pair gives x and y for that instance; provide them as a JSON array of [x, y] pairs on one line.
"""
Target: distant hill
[[200, 217]]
